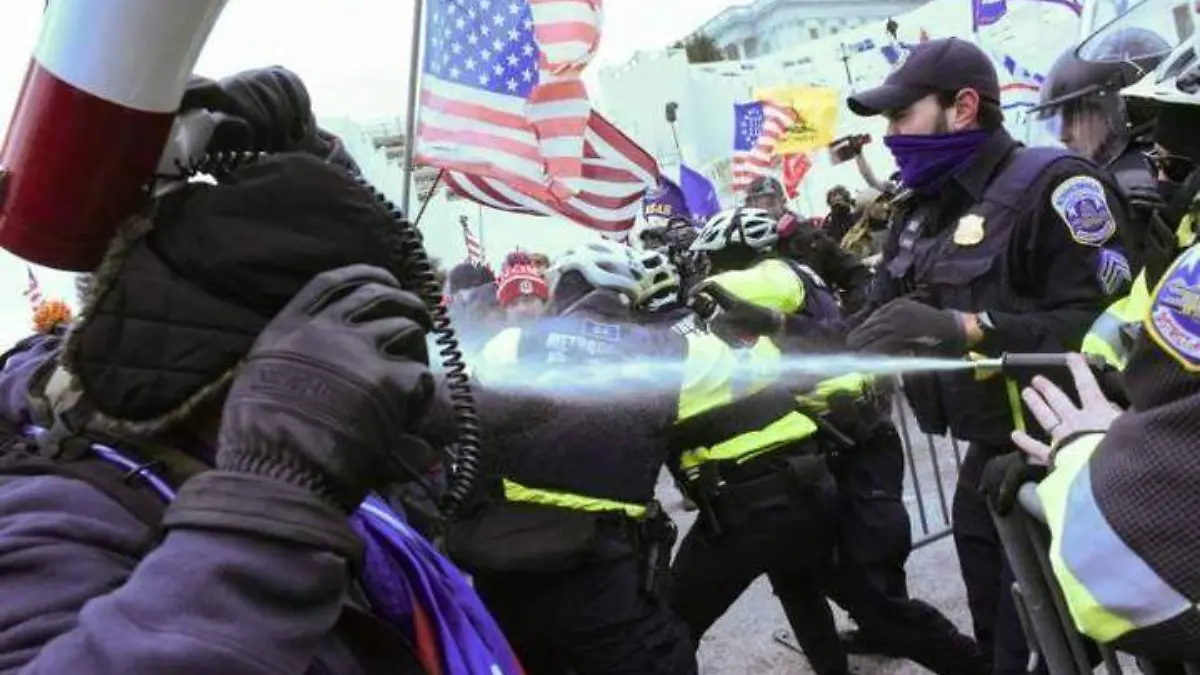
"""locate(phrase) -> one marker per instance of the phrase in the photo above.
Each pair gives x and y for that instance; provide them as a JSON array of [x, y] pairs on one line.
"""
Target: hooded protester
[[246, 354]]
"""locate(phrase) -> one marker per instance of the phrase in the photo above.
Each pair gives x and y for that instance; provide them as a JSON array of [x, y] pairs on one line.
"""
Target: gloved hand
[[331, 391], [1059, 415], [905, 324], [739, 319], [1003, 477]]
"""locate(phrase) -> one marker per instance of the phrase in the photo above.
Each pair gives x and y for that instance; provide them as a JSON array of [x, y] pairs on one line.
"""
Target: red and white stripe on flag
[[759, 160], [475, 254], [33, 290], [503, 109], [617, 171]]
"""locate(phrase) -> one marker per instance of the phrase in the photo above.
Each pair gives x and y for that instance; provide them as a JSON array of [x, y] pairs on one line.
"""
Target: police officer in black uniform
[[994, 248], [1081, 101], [801, 241]]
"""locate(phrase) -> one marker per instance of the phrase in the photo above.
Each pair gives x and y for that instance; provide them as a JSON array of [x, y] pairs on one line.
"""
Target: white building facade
[[634, 95], [766, 26]]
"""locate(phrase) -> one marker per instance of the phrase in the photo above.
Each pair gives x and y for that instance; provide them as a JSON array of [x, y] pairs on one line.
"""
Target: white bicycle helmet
[[1176, 80], [752, 227], [663, 286], [607, 265]]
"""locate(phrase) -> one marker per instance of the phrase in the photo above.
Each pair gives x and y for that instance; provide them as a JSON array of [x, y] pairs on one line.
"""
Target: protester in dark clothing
[[265, 434], [801, 240], [842, 214]]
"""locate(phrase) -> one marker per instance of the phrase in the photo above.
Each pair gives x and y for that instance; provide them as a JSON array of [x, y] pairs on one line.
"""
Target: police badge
[[1174, 318], [969, 231], [1081, 203]]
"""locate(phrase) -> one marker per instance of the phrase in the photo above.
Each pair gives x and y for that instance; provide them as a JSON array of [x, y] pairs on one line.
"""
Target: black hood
[[178, 308]]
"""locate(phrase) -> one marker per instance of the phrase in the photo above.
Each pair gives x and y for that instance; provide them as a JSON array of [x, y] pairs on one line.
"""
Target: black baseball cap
[[948, 64]]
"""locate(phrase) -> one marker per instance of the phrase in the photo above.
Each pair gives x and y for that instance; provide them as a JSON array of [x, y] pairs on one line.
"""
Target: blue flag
[[987, 12], [699, 194], [665, 201], [748, 121]]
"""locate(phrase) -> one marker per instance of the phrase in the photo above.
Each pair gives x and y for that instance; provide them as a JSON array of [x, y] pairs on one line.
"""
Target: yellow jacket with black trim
[[1121, 506]]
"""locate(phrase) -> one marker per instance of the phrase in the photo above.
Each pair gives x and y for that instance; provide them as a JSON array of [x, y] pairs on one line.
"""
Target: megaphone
[[94, 114]]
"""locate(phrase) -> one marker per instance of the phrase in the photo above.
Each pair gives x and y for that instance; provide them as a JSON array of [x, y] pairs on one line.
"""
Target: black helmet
[[1098, 67]]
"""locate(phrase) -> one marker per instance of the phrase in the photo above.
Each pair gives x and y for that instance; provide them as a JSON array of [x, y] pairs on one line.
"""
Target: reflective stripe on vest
[[1105, 339], [1109, 589], [817, 400], [1185, 234], [716, 376], [515, 492], [771, 283]]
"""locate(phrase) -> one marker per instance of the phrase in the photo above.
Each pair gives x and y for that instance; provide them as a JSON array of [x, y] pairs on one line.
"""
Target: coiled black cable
[[468, 457]]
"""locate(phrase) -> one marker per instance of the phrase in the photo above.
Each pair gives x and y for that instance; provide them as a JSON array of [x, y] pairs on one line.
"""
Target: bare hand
[[1058, 414]]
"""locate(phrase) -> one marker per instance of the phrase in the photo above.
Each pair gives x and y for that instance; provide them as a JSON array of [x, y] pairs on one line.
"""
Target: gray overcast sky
[[354, 53]]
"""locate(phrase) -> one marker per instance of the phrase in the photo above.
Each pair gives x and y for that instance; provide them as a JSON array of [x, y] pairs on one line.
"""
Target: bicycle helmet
[[604, 264], [754, 228], [1176, 80], [664, 282]]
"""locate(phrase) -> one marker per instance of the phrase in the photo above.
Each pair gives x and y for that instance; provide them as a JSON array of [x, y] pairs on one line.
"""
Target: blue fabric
[[928, 161], [699, 193], [666, 200], [400, 567]]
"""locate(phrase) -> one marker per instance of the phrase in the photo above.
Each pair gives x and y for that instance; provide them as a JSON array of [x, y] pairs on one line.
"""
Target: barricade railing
[[932, 469], [1049, 629]]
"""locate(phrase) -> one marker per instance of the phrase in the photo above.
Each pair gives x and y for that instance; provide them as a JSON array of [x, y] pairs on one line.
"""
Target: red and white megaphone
[[93, 117]]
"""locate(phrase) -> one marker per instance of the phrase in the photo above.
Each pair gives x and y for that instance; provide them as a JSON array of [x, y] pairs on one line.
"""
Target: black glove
[[333, 388], [267, 109], [905, 324], [738, 319], [1003, 477]]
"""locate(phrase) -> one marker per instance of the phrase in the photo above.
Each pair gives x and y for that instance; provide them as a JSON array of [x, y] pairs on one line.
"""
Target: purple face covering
[[927, 161]]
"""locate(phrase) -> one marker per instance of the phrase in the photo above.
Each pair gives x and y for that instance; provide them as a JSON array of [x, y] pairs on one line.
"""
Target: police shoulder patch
[[1081, 203], [1173, 321]]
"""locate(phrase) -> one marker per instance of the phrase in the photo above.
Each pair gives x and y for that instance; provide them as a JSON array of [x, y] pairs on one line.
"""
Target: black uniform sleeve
[[1055, 261], [844, 271]]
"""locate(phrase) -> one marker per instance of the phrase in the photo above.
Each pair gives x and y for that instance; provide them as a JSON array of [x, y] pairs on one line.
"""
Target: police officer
[[1106, 461], [994, 248], [752, 461], [800, 240], [570, 546], [1175, 153], [1081, 98], [764, 295]]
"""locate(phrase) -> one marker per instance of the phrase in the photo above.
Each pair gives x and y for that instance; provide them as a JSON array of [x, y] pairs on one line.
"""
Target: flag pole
[[410, 119]]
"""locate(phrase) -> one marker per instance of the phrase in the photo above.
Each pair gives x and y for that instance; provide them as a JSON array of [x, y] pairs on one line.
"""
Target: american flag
[[475, 254], [33, 290], [504, 112], [759, 126]]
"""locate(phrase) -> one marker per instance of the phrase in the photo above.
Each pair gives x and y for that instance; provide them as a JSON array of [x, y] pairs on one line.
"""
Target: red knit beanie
[[521, 280]]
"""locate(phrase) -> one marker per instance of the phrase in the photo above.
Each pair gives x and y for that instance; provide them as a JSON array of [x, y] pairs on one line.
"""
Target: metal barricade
[[1041, 607], [932, 473]]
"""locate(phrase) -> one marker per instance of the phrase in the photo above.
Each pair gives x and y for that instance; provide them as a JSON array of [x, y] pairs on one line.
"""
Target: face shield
[[1082, 106]]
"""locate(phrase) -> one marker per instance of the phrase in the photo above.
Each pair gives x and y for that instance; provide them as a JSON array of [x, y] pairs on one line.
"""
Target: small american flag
[[475, 254], [759, 126], [33, 290], [504, 111]]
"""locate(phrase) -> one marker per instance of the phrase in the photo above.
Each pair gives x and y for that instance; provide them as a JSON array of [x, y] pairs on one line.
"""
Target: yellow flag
[[817, 110]]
